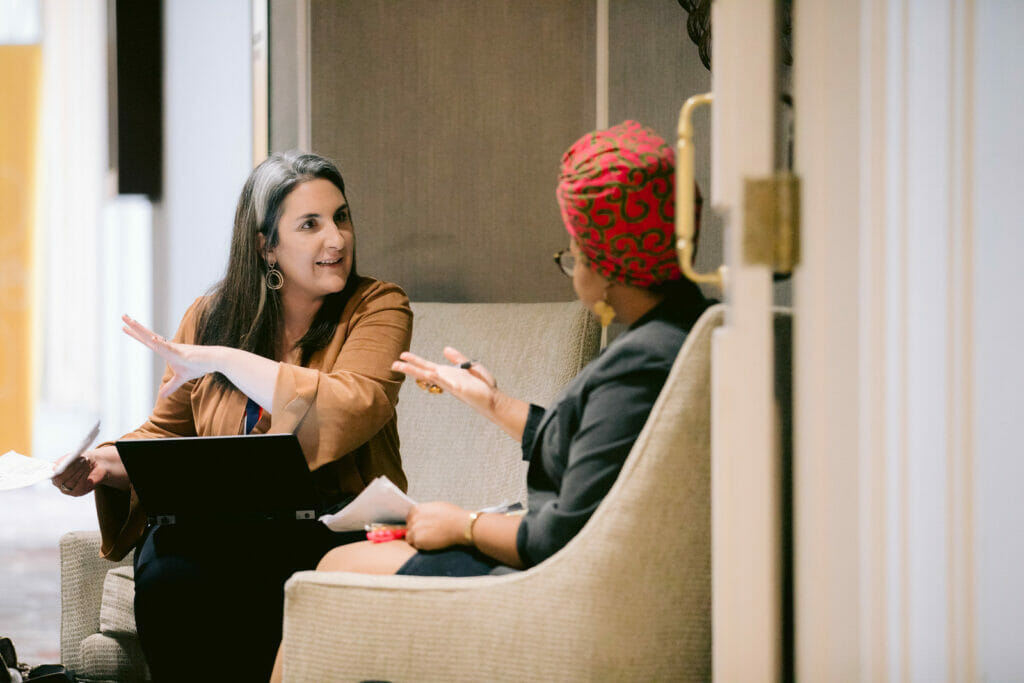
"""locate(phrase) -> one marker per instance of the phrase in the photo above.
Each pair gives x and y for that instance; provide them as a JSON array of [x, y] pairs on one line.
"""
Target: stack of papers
[[18, 471], [384, 503], [381, 501]]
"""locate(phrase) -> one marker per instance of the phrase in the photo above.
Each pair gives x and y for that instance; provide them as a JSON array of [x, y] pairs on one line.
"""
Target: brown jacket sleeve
[[337, 408]]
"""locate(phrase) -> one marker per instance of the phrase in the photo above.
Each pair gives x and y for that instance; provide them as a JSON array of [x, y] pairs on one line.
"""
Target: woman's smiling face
[[316, 241]]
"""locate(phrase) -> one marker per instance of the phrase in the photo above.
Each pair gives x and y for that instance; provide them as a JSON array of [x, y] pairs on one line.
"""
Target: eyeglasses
[[566, 261]]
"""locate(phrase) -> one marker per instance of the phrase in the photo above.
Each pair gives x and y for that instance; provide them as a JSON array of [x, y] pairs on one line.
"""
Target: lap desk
[[220, 478]]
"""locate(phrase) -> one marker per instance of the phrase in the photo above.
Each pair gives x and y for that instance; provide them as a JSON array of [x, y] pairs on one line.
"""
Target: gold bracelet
[[468, 533]]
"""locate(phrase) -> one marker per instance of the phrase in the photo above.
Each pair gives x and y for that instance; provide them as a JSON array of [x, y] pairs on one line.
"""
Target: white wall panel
[[207, 148], [999, 329]]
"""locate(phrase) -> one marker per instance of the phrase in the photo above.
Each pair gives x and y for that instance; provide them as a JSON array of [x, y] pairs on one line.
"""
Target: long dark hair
[[243, 312]]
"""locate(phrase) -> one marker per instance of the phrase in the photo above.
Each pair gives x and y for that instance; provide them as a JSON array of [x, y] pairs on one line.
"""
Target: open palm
[[472, 385], [185, 360]]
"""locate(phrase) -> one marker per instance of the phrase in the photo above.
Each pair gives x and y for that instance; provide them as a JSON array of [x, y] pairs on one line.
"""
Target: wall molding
[[601, 65], [908, 528], [962, 610], [260, 19]]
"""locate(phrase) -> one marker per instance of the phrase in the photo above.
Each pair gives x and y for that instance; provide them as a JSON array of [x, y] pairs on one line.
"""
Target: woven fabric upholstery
[[448, 453], [117, 608], [112, 658], [629, 598], [82, 572]]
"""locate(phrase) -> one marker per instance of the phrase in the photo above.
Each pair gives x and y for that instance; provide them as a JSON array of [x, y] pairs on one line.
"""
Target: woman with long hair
[[291, 340]]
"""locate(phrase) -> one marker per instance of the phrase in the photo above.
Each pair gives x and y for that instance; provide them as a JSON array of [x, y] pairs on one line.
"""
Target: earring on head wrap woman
[[274, 278], [606, 314]]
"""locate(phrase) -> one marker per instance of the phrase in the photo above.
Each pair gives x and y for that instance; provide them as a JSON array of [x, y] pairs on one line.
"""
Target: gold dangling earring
[[605, 314], [274, 278]]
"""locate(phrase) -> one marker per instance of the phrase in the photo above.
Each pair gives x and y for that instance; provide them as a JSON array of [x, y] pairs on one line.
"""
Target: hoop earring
[[605, 314], [274, 278]]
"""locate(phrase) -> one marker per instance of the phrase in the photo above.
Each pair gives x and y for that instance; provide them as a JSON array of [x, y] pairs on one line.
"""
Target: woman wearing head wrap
[[616, 192]]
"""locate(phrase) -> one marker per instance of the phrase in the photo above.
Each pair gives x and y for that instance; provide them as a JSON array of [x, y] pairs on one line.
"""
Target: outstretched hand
[[187, 361], [473, 385]]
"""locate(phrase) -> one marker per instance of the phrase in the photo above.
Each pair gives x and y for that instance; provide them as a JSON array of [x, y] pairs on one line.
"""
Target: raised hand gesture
[[187, 361], [466, 380]]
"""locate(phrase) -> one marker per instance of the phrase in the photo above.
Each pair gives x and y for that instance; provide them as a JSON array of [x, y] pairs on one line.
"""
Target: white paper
[[381, 501], [18, 471], [77, 453]]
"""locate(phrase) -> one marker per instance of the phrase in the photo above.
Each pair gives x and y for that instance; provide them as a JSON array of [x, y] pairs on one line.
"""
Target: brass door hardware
[[685, 195], [771, 211], [771, 221]]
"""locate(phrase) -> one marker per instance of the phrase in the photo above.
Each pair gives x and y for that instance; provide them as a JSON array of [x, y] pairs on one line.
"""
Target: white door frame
[[745, 521]]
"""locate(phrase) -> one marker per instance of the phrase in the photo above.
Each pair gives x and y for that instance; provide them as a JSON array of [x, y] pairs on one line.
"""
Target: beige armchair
[[448, 453], [629, 598]]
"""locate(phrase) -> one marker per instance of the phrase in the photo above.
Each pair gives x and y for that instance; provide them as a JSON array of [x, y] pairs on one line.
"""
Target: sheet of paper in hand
[[18, 471], [381, 501]]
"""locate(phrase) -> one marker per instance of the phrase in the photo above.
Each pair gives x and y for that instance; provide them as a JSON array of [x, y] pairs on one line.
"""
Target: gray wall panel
[[284, 66], [448, 119]]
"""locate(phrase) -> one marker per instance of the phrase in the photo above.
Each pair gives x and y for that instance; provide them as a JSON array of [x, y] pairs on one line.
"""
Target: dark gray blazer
[[577, 447]]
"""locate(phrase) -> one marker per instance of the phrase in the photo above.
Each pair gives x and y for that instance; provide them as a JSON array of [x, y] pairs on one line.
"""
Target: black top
[[577, 447]]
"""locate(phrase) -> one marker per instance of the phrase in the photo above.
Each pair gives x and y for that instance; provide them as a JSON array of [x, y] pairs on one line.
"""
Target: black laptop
[[207, 479]]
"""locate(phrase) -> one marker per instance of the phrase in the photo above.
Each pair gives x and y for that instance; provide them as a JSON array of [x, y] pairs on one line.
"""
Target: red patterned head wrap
[[617, 194]]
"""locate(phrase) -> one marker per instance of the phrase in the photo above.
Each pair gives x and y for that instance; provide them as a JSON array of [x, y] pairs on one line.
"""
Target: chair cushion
[[113, 658], [117, 608]]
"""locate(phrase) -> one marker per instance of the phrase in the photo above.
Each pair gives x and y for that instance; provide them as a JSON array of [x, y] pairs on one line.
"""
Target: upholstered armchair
[[448, 453], [629, 598]]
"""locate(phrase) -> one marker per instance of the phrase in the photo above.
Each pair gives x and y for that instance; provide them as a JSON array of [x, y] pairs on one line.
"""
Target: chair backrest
[[650, 538], [448, 451]]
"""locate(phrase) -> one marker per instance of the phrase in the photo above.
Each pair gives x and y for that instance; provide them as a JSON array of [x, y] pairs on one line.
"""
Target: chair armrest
[[82, 572], [340, 626]]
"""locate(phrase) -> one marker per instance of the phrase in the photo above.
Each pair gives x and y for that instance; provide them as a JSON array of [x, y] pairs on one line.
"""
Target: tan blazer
[[341, 406]]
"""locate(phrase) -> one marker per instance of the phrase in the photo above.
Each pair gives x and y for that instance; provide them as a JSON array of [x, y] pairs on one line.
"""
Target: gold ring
[[429, 386]]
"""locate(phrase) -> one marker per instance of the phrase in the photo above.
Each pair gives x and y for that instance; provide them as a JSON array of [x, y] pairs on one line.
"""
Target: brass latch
[[771, 222]]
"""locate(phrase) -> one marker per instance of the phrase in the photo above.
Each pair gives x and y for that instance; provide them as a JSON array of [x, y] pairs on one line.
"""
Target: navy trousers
[[209, 601]]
